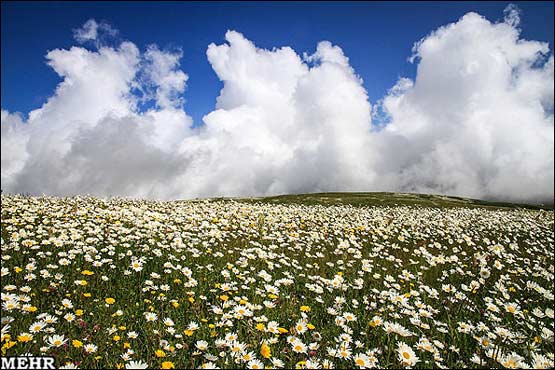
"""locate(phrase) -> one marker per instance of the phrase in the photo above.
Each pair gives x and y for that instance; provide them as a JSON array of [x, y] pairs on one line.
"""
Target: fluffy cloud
[[90, 136], [281, 125], [476, 121]]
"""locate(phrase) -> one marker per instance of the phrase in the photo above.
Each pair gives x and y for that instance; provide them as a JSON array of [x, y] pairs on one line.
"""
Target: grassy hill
[[378, 199]]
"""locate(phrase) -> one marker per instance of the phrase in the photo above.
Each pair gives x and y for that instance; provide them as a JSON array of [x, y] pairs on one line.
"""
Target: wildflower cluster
[[225, 284]]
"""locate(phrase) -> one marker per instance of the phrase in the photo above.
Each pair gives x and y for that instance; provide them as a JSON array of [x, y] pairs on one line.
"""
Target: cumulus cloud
[[90, 137], [280, 124], [476, 121], [15, 136]]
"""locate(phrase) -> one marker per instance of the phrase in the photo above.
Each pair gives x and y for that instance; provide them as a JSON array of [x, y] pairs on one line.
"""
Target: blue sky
[[376, 36]]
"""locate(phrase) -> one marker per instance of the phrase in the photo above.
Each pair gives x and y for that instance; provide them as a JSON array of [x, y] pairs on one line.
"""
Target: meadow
[[317, 281]]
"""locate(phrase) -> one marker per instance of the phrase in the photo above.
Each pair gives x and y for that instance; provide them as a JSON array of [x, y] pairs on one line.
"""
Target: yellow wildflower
[[23, 338], [265, 351]]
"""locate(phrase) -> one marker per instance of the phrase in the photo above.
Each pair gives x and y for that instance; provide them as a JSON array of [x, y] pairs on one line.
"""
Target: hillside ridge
[[372, 199]]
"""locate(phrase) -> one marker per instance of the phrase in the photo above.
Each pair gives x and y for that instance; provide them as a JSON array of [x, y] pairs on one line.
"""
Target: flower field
[[228, 284]]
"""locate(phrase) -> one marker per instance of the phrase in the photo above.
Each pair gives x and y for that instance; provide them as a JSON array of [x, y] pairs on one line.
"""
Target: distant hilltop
[[372, 199]]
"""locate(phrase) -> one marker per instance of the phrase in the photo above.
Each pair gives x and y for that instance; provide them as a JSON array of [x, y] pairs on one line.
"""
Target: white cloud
[[280, 125], [478, 119], [14, 142], [90, 137], [161, 71], [88, 32], [94, 32], [479, 111], [511, 15]]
